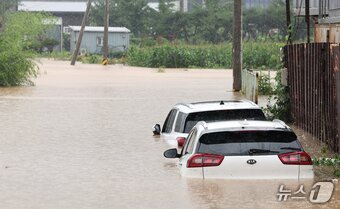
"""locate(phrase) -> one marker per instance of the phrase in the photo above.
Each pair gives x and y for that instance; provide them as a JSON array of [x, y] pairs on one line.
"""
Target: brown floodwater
[[81, 139]]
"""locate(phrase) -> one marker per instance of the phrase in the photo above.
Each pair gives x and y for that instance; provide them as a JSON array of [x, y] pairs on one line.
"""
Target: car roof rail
[[215, 101], [248, 101], [185, 104], [204, 124], [282, 123]]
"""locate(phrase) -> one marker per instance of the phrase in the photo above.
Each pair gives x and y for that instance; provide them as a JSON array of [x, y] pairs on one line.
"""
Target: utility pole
[[81, 33], [307, 19], [289, 26], [237, 45], [106, 34]]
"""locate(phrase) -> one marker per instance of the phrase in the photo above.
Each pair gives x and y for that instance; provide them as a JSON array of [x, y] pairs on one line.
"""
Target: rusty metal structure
[[314, 81]]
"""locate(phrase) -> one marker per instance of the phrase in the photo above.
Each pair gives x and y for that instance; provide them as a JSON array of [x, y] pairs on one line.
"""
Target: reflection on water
[[81, 138], [248, 194]]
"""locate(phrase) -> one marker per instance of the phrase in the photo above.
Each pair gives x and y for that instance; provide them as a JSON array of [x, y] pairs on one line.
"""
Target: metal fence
[[314, 81], [250, 80]]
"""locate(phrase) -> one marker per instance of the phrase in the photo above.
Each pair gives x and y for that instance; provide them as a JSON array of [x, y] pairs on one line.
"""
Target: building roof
[[101, 29], [52, 6]]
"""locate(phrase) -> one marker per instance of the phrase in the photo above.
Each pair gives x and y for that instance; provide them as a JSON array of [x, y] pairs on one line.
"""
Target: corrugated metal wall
[[314, 81], [117, 41], [327, 33]]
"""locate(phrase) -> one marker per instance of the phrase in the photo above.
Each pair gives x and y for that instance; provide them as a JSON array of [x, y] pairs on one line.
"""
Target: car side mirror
[[171, 153], [156, 129]]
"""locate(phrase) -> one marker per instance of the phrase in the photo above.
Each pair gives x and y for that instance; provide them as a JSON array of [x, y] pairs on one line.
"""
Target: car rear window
[[248, 142], [222, 115]]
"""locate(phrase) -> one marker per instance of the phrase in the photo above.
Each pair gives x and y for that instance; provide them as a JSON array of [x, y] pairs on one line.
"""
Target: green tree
[[161, 19], [5, 6], [21, 30], [212, 23], [262, 22], [132, 14]]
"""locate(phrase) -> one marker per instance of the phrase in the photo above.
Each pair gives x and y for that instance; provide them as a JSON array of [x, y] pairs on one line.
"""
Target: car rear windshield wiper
[[254, 151], [292, 148]]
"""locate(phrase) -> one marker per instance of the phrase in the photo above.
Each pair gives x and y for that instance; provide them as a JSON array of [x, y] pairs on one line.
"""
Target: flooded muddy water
[[81, 139]]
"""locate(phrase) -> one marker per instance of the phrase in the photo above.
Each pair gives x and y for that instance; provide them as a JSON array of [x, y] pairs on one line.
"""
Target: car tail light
[[180, 141], [296, 158], [204, 160]]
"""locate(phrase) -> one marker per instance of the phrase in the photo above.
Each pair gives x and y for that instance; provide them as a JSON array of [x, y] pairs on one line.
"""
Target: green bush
[[256, 55], [265, 87], [281, 107], [262, 55], [16, 66], [331, 162], [116, 54], [21, 30], [63, 55], [90, 59]]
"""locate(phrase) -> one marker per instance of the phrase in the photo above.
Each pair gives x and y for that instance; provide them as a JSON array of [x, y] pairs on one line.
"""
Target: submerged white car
[[184, 116], [243, 150]]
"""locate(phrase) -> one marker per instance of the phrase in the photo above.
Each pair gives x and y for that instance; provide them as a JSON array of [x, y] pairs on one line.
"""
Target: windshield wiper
[[254, 151], [291, 148]]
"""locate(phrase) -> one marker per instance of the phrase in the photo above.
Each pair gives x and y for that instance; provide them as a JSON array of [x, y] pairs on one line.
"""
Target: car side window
[[189, 145], [179, 125], [169, 121]]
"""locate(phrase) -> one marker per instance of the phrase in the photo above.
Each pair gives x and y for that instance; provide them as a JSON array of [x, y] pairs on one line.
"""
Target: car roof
[[244, 125], [216, 105]]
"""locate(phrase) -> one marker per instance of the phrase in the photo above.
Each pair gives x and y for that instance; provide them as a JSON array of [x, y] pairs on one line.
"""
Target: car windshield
[[222, 115], [249, 142]]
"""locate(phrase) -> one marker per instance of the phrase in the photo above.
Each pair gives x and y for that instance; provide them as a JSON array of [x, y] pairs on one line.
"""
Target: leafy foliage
[[281, 107], [21, 30], [16, 66], [5, 6], [268, 23], [203, 56], [264, 85], [211, 23], [331, 162], [132, 14]]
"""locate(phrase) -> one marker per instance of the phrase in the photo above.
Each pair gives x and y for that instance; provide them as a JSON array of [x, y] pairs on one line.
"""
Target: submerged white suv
[[184, 116], [243, 150]]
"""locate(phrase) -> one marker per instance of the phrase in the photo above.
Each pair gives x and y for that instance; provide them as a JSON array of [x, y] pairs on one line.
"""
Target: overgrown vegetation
[[333, 163], [90, 59], [5, 6], [264, 85], [256, 55], [327, 162], [20, 33], [278, 106]]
